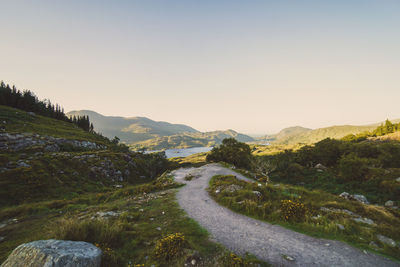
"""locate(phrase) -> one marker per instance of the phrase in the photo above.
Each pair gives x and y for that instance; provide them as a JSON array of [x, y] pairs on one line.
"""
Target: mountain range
[[141, 132], [298, 134]]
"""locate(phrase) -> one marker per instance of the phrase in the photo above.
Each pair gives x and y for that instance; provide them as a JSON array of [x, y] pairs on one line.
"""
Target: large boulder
[[54, 253]]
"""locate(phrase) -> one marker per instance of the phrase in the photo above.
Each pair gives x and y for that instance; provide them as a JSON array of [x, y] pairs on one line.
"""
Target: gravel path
[[267, 242]]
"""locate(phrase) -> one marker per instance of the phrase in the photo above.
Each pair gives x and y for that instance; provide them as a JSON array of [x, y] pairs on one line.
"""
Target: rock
[[217, 191], [361, 198], [373, 245], [316, 217], [106, 214], [389, 203], [2, 238], [258, 194], [345, 195], [286, 257], [232, 188], [386, 240], [398, 180], [364, 220], [319, 166], [32, 113], [55, 253], [340, 226], [158, 228]]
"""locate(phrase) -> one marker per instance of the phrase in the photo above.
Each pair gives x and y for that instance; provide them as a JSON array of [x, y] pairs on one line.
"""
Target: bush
[[232, 259], [295, 170], [351, 167], [170, 247], [231, 151], [293, 210], [327, 152]]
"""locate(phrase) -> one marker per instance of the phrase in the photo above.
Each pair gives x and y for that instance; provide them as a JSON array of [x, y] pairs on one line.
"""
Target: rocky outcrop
[[107, 169], [20, 142], [359, 198], [54, 253]]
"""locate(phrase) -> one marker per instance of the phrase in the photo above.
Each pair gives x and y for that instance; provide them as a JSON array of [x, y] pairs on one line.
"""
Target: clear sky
[[251, 66]]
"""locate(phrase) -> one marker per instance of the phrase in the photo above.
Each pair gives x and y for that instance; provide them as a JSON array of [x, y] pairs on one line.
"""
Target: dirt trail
[[271, 243]]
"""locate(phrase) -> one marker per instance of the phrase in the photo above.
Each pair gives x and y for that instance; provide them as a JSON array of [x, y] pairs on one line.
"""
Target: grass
[[64, 175], [195, 160], [316, 222], [379, 189], [18, 121], [147, 213]]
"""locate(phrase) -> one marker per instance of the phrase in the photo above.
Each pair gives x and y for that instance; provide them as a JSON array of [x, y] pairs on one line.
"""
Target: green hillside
[[316, 135], [283, 134], [133, 129], [186, 140], [297, 134], [18, 121]]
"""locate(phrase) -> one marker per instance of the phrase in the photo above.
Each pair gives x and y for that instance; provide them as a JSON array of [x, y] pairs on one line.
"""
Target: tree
[[116, 140], [231, 151]]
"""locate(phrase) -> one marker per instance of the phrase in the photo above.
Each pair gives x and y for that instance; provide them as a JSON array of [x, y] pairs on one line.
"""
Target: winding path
[[267, 242]]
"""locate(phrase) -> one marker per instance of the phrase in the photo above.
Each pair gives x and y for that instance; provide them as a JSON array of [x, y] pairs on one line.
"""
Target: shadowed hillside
[[133, 129]]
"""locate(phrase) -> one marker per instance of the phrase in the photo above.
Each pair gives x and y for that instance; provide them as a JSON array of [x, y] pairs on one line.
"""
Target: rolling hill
[[297, 134]]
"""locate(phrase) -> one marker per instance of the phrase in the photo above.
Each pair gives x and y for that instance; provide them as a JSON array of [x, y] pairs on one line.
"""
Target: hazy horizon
[[254, 67]]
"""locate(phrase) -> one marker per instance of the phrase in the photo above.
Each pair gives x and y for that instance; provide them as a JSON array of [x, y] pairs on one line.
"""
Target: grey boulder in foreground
[[271, 243], [54, 253]]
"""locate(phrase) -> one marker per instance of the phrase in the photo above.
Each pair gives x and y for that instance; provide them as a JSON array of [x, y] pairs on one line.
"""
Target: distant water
[[182, 152]]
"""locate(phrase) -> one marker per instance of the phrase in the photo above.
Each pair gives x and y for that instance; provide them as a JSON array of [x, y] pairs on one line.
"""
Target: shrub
[[295, 170], [351, 167], [231, 151], [327, 152], [232, 259], [293, 210], [170, 247]]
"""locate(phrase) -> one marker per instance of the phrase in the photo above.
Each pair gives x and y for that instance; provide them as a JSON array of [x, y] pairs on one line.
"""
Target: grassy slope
[[268, 208], [18, 121]]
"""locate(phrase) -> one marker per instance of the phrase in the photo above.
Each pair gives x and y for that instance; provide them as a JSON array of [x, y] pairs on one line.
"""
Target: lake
[[183, 152]]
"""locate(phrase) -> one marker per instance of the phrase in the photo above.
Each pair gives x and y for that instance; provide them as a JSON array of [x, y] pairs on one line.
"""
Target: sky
[[252, 66]]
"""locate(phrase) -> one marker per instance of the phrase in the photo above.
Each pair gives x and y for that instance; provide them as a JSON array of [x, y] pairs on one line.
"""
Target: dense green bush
[[231, 151], [352, 167]]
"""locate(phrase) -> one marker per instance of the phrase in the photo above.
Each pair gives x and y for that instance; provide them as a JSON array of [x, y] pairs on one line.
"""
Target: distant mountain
[[133, 129], [141, 132], [186, 140], [295, 135], [284, 134]]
